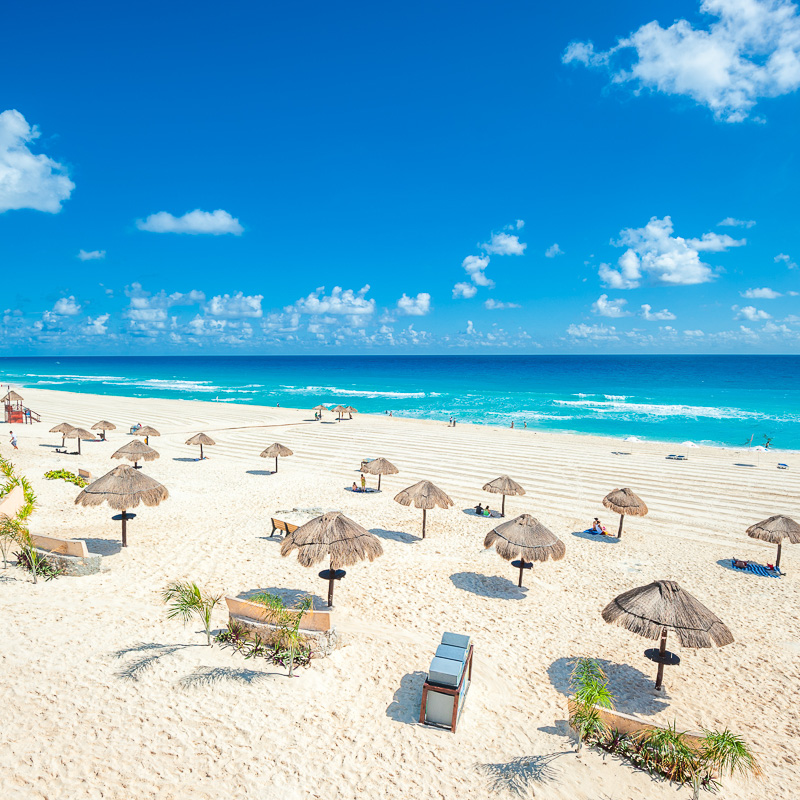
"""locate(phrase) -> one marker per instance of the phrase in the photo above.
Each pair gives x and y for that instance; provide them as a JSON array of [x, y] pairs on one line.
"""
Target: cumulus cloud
[[651, 316], [592, 332], [215, 223], [666, 259], [504, 244], [609, 308], [28, 180], [91, 255], [732, 222], [97, 326], [751, 51], [465, 290], [553, 251], [339, 301], [417, 306], [236, 306], [474, 266], [66, 307], [497, 305], [782, 257], [751, 313], [761, 294]]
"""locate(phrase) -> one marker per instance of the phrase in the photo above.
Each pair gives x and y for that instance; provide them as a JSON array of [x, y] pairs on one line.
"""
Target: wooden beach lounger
[[280, 525]]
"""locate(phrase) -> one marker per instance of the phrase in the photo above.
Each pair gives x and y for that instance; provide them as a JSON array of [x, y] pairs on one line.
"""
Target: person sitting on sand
[[597, 526], [354, 487], [479, 510]]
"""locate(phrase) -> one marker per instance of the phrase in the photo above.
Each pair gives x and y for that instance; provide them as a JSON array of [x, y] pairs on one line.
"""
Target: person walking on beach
[[13, 440], [363, 483]]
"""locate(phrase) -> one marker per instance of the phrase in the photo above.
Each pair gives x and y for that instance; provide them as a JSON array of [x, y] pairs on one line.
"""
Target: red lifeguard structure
[[15, 412]]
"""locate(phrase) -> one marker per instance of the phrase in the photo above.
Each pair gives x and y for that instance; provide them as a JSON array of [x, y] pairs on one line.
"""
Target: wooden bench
[[84, 473], [280, 525]]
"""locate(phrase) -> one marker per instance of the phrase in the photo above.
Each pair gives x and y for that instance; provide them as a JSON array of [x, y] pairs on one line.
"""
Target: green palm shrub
[[286, 622], [186, 600], [590, 689]]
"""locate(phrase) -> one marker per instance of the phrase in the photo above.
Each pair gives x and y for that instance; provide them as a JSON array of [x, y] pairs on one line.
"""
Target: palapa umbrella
[[503, 485], [320, 407], [63, 428], [123, 488], [201, 439], [662, 606], [424, 495], [136, 451], [775, 530], [275, 450], [624, 501], [333, 536], [79, 434], [350, 411], [340, 409], [147, 432], [104, 426], [380, 466], [526, 537]]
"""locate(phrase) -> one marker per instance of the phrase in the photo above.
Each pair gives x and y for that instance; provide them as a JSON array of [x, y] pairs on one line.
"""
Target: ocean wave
[[370, 393], [165, 383], [664, 410]]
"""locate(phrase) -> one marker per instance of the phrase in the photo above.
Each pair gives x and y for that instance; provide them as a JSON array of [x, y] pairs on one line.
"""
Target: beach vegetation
[[33, 560], [288, 639], [185, 599], [66, 475]]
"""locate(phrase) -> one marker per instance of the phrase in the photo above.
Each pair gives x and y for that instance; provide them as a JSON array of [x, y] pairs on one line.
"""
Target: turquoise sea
[[723, 400]]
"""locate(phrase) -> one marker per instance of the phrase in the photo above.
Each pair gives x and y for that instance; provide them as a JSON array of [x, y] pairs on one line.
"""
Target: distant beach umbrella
[[690, 444], [775, 530], [335, 537], [340, 409], [424, 495], [81, 434], [123, 488], [63, 428], [624, 502], [631, 439], [275, 450], [525, 537], [380, 466], [350, 410], [136, 451], [320, 408], [504, 486], [103, 426], [147, 432], [653, 610], [201, 439]]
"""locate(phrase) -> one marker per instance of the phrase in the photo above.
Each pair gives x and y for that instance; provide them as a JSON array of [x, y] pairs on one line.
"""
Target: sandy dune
[[104, 697]]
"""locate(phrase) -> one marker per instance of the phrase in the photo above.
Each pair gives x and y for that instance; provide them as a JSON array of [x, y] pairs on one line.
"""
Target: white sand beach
[[200, 722]]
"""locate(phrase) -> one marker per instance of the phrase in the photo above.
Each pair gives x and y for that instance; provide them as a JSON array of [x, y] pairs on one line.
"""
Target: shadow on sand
[[291, 597], [147, 654], [488, 586], [396, 536], [187, 459], [595, 537], [103, 547], [518, 775], [633, 690], [405, 702], [260, 472], [209, 676]]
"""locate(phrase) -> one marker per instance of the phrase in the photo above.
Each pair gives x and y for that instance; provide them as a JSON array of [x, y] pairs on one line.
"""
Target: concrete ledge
[[64, 547], [75, 566], [322, 643], [312, 620]]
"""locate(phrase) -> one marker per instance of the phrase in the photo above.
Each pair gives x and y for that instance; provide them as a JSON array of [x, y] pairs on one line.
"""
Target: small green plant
[[186, 599], [66, 475], [288, 638], [590, 689], [10, 535], [723, 753], [35, 561]]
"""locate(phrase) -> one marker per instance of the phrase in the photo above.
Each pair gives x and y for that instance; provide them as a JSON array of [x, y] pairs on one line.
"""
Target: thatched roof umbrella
[[340, 409], [623, 502], [662, 606], [333, 536], [147, 432], [104, 426], [350, 411], [79, 434], [136, 451], [775, 530], [275, 450], [320, 407], [424, 495], [380, 466], [201, 439], [123, 488], [12, 397], [63, 428], [503, 485], [526, 537]]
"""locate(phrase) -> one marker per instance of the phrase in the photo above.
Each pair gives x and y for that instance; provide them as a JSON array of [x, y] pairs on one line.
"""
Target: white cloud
[[66, 307], [652, 316], [520, 224], [465, 290], [593, 332], [761, 294], [751, 313], [504, 244], [732, 222], [786, 260], [91, 255], [417, 306], [237, 306], [97, 326], [695, 334], [751, 51], [664, 258], [338, 302], [474, 267], [553, 251], [212, 222], [609, 308], [496, 305], [27, 180]]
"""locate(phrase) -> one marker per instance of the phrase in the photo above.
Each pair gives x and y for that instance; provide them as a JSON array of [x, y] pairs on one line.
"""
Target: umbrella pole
[[621, 520], [124, 528], [661, 651], [276, 463], [521, 569], [379, 482], [424, 514], [79, 445], [201, 451], [330, 584], [503, 511], [778, 557]]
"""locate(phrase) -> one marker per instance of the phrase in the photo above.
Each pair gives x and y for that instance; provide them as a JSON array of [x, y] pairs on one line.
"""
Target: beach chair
[[783, 466], [677, 458], [447, 683], [280, 525]]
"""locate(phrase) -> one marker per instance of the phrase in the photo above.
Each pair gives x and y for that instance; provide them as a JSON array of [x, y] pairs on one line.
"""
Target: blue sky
[[197, 177]]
